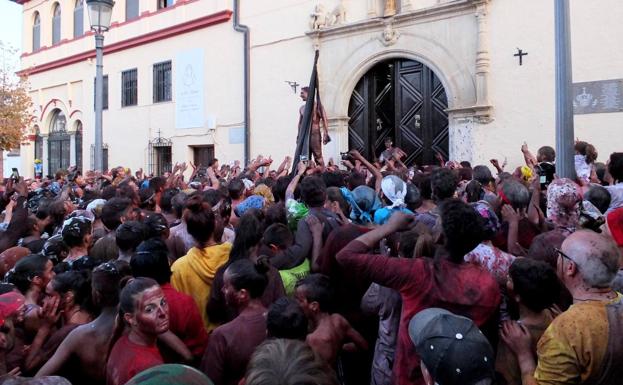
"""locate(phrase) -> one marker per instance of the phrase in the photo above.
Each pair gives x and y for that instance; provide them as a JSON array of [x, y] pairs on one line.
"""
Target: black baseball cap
[[452, 347]]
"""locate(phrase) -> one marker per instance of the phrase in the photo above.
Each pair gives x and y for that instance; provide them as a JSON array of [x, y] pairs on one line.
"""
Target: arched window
[[56, 24], [131, 9], [59, 122], [79, 18], [36, 32]]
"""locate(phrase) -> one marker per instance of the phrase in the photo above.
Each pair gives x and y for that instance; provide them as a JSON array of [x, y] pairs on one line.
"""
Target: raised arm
[[395, 273], [375, 171], [300, 170], [529, 158]]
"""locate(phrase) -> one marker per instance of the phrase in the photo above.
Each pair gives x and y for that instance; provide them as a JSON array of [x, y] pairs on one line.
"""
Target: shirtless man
[[331, 333], [319, 116], [88, 344]]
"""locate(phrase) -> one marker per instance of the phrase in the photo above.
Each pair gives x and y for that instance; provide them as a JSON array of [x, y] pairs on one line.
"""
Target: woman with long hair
[[144, 311], [193, 273]]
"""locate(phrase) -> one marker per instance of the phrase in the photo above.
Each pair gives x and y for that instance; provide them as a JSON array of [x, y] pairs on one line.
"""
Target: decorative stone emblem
[[390, 35], [320, 18]]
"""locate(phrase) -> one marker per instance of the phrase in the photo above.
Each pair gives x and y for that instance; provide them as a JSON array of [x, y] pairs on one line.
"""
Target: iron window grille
[[162, 82], [160, 156], [129, 88]]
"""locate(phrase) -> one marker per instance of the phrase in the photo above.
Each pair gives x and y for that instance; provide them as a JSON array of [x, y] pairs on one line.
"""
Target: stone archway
[[341, 72], [402, 100]]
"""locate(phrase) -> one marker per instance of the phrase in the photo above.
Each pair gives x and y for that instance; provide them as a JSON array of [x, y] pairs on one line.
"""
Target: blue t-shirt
[[382, 215]]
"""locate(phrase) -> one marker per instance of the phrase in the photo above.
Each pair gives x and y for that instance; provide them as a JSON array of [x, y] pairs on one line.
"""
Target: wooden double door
[[403, 100]]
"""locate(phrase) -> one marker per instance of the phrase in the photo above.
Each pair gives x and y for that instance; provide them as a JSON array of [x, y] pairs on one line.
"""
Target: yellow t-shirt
[[193, 274], [573, 347]]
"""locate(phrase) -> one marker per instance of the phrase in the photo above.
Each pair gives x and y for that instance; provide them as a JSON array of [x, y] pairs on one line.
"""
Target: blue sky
[[11, 24]]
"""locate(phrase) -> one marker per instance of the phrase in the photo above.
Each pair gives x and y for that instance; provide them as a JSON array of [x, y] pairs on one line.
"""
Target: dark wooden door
[[402, 99], [58, 152], [203, 155]]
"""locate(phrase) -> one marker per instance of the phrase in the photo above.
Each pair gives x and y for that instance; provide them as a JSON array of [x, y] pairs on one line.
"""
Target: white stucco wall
[[522, 97]]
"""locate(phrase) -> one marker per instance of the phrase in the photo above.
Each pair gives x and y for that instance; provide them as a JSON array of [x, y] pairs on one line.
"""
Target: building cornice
[[164, 33], [436, 12]]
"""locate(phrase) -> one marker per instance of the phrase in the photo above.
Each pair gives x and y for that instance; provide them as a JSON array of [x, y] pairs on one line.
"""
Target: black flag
[[302, 141]]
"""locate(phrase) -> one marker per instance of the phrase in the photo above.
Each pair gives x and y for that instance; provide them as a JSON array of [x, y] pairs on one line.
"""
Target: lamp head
[[100, 12]]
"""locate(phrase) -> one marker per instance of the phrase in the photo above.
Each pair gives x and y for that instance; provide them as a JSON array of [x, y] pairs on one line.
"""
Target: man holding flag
[[318, 118], [312, 116]]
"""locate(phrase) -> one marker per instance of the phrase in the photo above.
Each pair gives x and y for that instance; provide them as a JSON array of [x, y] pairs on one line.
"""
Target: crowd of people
[[362, 272]]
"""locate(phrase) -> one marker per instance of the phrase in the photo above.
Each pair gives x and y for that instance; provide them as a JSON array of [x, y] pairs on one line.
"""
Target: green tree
[[15, 102]]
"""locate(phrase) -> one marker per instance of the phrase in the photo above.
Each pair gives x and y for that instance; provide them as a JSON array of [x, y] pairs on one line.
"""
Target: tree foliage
[[15, 102]]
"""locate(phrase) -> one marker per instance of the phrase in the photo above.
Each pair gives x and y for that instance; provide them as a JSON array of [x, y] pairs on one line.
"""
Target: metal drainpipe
[[247, 84]]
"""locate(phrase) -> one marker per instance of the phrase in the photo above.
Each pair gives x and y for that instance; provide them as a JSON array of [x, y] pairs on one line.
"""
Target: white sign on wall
[[189, 98]]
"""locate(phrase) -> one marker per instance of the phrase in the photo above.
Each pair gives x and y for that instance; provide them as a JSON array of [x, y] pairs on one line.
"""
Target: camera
[[546, 172], [345, 156]]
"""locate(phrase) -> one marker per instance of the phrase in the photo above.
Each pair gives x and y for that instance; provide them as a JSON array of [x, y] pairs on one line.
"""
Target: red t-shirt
[[185, 321], [464, 289], [127, 359]]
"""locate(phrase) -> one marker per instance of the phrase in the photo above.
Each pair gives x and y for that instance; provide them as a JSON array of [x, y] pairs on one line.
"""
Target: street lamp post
[[564, 99], [100, 12]]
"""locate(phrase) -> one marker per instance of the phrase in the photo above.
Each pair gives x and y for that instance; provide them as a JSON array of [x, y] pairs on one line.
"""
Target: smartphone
[[15, 174]]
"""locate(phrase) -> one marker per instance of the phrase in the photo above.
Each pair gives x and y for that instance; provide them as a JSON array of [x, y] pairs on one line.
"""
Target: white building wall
[[522, 97]]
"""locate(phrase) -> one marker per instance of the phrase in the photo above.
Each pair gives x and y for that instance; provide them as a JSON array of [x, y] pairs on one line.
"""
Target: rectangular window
[[165, 3], [131, 9], [162, 82], [104, 93], [129, 88]]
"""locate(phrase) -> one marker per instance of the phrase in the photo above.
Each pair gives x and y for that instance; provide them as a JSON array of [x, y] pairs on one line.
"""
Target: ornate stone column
[[482, 55], [45, 154], [338, 130], [72, 148]]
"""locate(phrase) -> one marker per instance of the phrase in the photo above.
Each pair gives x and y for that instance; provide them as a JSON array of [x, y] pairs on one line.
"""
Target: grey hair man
[[583, 344]]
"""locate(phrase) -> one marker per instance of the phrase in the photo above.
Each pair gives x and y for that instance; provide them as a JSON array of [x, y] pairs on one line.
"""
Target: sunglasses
[[564, 255]]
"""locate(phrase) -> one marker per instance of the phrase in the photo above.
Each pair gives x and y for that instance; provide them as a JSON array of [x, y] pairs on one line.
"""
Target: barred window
[[129, 88], [162, 82], [104, 93]]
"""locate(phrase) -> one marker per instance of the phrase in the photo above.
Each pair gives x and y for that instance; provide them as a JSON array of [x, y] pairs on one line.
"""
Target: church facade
[[470, 79]]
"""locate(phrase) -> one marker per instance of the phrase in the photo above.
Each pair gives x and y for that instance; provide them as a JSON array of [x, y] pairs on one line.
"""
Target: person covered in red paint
[[144, 309]]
